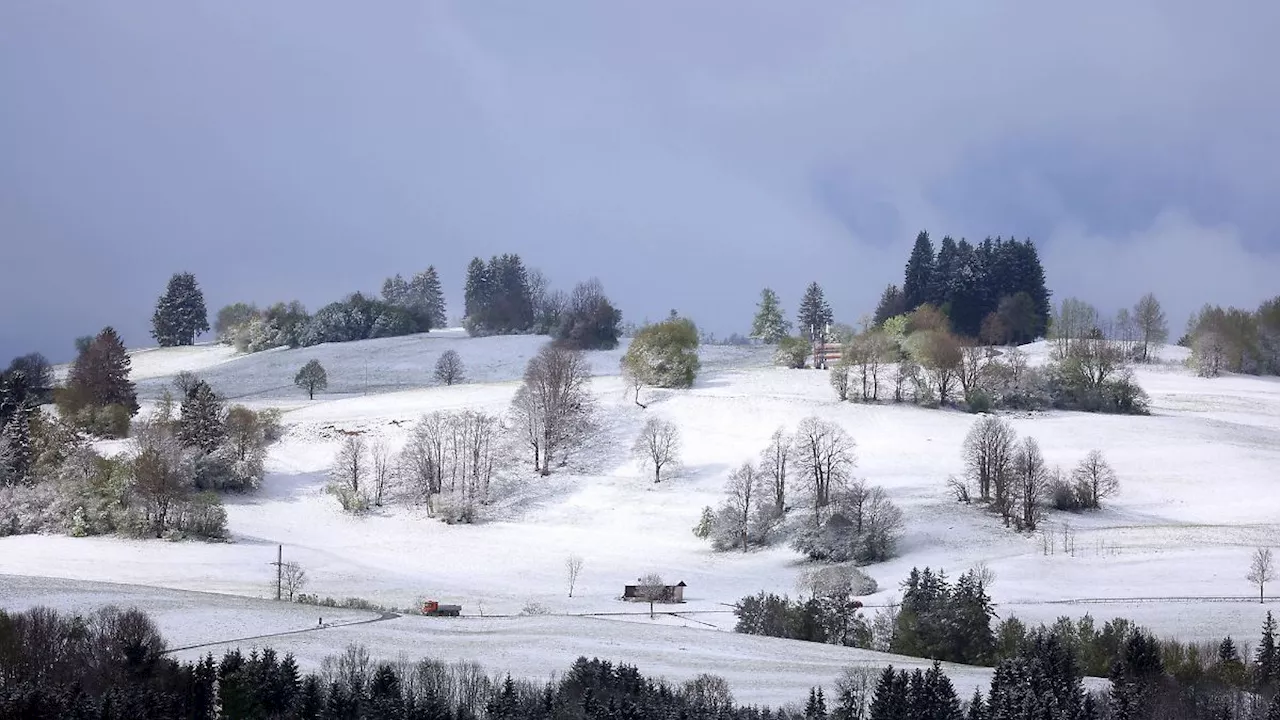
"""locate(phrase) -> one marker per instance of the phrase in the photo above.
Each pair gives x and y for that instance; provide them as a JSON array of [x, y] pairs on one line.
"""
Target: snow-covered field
[[1200, 489]]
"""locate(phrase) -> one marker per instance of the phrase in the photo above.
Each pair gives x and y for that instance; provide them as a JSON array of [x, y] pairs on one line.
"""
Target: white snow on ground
[[1200, 489]]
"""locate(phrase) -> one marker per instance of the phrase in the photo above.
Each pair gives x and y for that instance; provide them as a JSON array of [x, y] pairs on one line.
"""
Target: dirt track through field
[[381, 618]]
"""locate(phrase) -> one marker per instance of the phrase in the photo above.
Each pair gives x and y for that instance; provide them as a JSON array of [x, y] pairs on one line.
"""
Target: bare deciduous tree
[[470, 460], [938, 353], [421, 460], [1031, 478], [652, 588], [573, 568], [988, 457], [449, 368], [553, 408], [658, 447], [292, 578], [381, 467], [1261, 571], [974, 359], [743, 491], [1072, 321], [773, 463], [1094, 480], [349, 470], [1151, 325], [824, 455]]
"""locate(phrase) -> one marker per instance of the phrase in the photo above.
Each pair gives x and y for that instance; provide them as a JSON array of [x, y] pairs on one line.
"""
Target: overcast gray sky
[[687, 154]]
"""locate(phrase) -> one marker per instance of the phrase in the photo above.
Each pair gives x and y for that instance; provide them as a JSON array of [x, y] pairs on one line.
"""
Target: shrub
[[352, 502], [792, 352], [979, 402]]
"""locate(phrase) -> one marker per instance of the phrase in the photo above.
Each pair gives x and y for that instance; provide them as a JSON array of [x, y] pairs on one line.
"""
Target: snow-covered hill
[[1200, 489]]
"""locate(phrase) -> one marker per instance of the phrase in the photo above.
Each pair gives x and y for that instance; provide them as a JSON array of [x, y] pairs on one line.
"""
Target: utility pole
[[279, 563]]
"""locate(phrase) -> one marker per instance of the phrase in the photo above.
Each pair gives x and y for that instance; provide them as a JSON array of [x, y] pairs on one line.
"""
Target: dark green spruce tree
[[180, 312], [477, 297], [815, 314], [917, 285], [892, 303], [202, 424]]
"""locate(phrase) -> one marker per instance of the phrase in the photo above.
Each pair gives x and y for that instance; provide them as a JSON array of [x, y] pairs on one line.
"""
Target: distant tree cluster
[[450, 462], [1235, 340], [1012, 478], [503, 297], [996, 287], [845, 519], [830, 615], [943, 621], [250, 329]]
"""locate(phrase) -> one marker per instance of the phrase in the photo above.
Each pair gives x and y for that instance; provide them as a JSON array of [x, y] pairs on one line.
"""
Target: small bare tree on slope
[[658, 447], [1261, 571]]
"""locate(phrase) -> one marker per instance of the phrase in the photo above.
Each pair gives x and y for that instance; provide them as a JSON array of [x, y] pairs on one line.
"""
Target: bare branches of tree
[[422, 458], [349, 471], [292, 578], [658, 447], [988, 456], [1261, 571], [449, 368], [652, 588], [1151, 324], [1094, 480], [743, 491], [824, 455], [553, 408], [773, 463], [1031, 479], [573, 568], [381, 467]]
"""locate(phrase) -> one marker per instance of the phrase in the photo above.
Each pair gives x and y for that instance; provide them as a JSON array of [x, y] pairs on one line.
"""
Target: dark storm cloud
[[687, 154]]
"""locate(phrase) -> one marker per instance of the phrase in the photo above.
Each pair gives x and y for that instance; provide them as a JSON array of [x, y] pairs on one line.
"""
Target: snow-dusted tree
[[589, 321], [658, 447], [382, 471], [311, 378], [1261, 571], [349, 471], [841, 377], [988, 458], [1094, 479], [1030, 481], [203, 418], [1125, 332], [422, 459], [662, 355], [1073, 321], [470, 460], [1152, 326], [293, 578], [738, 515], [428, 297], [449, 369], [573, 568], [815, 314], [792, 352], [824, 455], [769, 326], [180, 312], [248, 434], [97, 381], [774, 464], [651, 588], [972, 374], [17, 454], [938, 353], [553, 407], [161, 471]]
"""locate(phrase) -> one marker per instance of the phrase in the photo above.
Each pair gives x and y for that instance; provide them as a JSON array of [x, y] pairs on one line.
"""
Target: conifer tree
[[395, 291], [433, 297], [977, 709], [203, 419], [99, 376], [180, 312], [16, 452], [476, 296], [1266, 665], [892, 303], [815, 313], [816, 708], [918, 282], [944, 274], [769, 326]]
